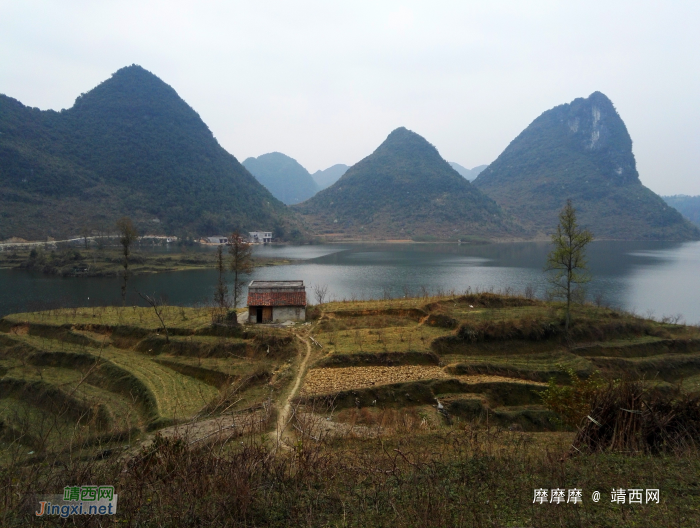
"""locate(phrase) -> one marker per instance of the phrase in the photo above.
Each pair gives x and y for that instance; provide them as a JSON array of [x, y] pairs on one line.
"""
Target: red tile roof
[[277, 298]]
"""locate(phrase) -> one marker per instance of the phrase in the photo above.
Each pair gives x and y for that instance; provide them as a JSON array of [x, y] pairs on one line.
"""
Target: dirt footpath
[[331, 380]]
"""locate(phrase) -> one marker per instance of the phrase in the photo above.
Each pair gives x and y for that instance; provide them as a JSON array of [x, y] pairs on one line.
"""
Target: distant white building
[[260, 237]]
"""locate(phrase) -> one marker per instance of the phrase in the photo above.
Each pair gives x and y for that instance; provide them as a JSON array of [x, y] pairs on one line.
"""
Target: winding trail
[[284, 417]]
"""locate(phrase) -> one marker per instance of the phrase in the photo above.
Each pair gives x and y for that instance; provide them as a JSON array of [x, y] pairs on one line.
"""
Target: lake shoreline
[[107, 263], [646, 277]]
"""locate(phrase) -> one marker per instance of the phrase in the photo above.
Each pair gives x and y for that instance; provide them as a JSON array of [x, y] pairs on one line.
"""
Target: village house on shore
[[276, 301], [260, 237], [254, 237]]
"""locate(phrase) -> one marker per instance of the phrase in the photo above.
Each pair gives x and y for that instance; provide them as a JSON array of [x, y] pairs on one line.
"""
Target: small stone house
[[276, 301]]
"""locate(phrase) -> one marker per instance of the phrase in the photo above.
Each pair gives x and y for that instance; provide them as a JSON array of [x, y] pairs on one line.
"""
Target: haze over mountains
[[469, 174], [688, 206], [580, 151], [326, 178], [283, 176], [405, 190], [288, 180], [129, 147]]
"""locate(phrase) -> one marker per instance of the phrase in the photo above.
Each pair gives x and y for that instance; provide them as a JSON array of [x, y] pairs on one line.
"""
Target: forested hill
[[327, 177], [405, 190], [283, 176], [129, 147], [688, 206], [580, 151]]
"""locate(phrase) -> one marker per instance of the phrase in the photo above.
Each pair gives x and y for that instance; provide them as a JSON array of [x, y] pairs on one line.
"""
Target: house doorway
[[267, 314], [258, 314]]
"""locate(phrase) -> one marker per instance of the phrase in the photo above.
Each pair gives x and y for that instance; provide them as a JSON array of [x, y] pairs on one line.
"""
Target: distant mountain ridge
[[283, 176], [327, 177], [131, 146], [469, 174], [580, 151], [688, 206], [405, 190]]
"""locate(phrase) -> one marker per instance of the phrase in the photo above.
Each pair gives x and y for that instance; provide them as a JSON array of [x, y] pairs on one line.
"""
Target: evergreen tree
[[567, 260]]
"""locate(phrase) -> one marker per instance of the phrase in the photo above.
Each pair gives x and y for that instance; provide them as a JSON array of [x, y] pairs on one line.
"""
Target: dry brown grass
[[629, 417]]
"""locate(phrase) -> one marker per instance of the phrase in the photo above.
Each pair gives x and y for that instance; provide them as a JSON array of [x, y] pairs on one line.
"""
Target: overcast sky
[[326, 81]]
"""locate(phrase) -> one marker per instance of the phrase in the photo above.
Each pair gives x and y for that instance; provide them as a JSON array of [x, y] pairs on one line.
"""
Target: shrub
[[441, 321], [629, 418], [525, 329], [494, 300], [313, 313], [572, 402]]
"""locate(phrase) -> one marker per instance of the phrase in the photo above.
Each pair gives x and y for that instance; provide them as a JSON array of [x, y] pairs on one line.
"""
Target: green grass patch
[[115, 316], [669, 367], [157, 392], [392, 339], [53, 400], [177, 396], [194, 346], [211, 377], [536, 367], [643, 346]]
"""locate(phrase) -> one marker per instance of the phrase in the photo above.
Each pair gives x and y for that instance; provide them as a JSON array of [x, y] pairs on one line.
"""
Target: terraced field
[[485, 355], [93, 380], [412, 338], [178, 396], [92, 372], [113, 317]]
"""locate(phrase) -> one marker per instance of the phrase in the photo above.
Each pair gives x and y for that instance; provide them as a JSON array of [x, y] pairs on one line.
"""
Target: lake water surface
[[651, 278]]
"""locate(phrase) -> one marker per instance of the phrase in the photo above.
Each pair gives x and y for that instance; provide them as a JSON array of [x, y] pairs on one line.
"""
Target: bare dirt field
[[330, 380]]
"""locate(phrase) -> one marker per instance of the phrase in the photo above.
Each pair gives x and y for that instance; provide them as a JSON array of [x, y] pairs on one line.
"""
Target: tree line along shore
[[107, 261]]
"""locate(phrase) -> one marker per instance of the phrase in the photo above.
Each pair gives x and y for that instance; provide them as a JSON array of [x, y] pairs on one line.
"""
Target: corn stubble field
[[412, 412]]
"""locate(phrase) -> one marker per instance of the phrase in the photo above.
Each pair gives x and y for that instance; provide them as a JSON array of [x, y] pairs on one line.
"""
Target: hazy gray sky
[[326, 81]]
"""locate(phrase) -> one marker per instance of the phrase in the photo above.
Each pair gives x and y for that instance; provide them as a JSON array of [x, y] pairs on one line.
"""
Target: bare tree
[[127, 235], [320, 292], [529, 292], [102, 234], [599, 300], [241, 263], [221, 294], [158, 306], [358, 339], [85, 233]]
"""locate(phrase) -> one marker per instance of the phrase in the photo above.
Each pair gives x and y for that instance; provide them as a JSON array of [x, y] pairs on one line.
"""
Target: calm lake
[[651, 278]]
